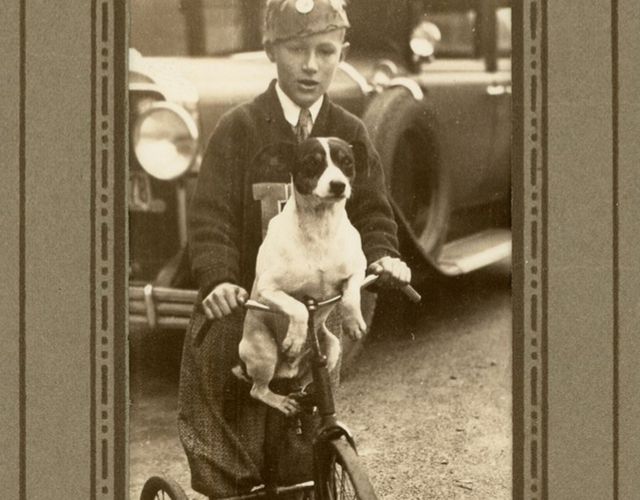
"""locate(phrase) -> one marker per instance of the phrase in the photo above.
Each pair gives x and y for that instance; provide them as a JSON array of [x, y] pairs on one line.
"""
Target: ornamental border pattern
[[535, 268], [103, 270]]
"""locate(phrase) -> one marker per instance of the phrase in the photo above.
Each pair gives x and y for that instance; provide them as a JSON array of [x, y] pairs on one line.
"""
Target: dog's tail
[[240, 372]]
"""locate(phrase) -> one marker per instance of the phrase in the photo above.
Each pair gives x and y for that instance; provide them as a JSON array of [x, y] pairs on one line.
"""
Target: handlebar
[[408, 290]]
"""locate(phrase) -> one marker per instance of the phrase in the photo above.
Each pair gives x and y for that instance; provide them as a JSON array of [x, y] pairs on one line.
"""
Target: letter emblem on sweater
[[272, 197]]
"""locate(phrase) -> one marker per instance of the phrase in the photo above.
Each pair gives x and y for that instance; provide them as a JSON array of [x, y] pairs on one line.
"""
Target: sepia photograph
[[320, 249]]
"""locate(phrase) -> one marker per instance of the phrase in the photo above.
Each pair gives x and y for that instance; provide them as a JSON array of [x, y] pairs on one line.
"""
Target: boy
[[222, 429]]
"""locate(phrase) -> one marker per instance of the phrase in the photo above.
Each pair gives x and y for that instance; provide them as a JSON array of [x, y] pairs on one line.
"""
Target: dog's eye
[[313, 165], [343, 161], [348, 166]]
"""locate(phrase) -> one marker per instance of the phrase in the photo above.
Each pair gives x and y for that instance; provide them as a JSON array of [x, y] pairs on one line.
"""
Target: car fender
[[411, 85], [404, 131], [358, 78]]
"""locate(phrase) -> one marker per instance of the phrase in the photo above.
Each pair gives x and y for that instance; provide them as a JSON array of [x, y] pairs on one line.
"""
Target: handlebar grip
[[411, 293], [369, 280]]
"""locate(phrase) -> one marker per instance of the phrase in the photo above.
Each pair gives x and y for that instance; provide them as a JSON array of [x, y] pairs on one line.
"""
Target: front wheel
[[340, 474], [160, 488]]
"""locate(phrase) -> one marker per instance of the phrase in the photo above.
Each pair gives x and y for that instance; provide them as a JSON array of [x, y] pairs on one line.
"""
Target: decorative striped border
[[533, 446], [102, 257], [22, 343], [108, 264], [615, 223]]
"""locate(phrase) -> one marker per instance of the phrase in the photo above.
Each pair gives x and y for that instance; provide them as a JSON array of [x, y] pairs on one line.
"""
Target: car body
[[436, 102]]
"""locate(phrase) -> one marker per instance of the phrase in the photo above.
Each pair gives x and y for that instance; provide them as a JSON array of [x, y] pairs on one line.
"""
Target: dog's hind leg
[[286, 405], [261, 365]]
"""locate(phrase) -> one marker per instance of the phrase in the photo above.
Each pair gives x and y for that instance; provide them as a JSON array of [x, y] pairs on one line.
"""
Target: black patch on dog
[[308, 168], [305, 162], [343, 157]]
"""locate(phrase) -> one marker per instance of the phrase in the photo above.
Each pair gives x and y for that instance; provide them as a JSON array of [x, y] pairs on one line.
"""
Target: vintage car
[[431, 80]]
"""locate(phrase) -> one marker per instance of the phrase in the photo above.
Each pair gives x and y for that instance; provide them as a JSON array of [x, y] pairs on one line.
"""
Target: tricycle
[[337, 470]]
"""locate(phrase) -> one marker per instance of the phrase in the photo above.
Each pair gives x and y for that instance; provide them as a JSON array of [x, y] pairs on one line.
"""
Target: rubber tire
[[159, 485], [341, 459], [401, 129]]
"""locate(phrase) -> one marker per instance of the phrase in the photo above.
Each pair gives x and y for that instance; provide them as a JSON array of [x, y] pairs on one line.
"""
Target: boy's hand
[[393, 272], [223, 300]]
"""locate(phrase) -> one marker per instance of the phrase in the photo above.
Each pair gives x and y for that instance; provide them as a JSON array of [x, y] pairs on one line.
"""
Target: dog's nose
[[337, 187]]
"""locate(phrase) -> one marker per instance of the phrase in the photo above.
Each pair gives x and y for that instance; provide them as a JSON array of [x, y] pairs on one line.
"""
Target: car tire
[[404, 133]]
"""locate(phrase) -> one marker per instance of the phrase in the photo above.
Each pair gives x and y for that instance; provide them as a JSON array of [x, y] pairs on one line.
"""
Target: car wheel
[[403, 132]]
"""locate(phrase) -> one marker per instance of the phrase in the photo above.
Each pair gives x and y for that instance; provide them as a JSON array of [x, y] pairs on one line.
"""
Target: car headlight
[[424, 38], [165, 140]]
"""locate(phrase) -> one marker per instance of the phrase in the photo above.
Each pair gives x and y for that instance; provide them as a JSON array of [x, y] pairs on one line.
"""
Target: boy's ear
[[268, 48], [275, 162], [345, 51], [360, 157]]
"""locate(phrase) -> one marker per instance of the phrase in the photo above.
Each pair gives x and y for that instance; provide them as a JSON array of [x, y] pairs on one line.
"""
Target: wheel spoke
[[342, 488]]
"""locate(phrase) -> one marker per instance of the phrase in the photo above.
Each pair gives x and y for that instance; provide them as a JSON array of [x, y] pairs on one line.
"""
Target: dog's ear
[[360, 157], [275, 162]]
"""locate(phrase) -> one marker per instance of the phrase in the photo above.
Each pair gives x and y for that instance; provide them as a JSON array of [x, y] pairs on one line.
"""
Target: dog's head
[[323, 168]]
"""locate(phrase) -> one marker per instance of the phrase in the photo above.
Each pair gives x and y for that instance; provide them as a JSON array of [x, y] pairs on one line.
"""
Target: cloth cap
[[286, 19]]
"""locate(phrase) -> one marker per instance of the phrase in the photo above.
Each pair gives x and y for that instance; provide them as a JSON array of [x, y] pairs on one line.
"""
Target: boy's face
[[306, 65]]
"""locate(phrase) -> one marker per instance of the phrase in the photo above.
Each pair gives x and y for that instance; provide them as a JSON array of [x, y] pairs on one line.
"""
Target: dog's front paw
[[354, 327], [292, 347], [293, 343]]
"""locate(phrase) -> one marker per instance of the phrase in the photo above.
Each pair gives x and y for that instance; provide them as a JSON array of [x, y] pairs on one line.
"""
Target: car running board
[[473, 252]]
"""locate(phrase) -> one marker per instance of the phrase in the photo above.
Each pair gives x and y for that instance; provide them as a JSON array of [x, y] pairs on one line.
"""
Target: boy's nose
[[310, 63]]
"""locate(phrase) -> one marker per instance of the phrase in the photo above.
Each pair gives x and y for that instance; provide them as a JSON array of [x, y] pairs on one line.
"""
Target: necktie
[[303, 128]]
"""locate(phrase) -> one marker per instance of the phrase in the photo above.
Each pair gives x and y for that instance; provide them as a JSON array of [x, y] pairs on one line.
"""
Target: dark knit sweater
[[225, 219]]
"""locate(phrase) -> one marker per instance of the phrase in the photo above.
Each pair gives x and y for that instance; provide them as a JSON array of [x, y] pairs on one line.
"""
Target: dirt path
[[430, 405], [433, 408]]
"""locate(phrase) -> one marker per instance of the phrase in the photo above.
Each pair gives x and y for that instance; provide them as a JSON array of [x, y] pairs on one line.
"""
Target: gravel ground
[[428, 401]]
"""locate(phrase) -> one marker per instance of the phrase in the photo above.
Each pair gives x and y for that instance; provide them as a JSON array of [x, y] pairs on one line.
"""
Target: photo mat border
[[109, 469]]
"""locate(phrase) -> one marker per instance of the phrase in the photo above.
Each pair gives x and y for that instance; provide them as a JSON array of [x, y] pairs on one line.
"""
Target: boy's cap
[[286, 19]]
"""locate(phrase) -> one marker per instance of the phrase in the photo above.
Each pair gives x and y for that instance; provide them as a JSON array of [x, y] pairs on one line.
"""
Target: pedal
[[305, 398]]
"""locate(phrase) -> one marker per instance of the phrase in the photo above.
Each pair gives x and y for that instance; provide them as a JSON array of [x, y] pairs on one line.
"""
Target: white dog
[[310, 250]]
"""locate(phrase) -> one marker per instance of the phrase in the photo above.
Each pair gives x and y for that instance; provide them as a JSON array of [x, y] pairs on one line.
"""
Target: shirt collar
[[292, 111]]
